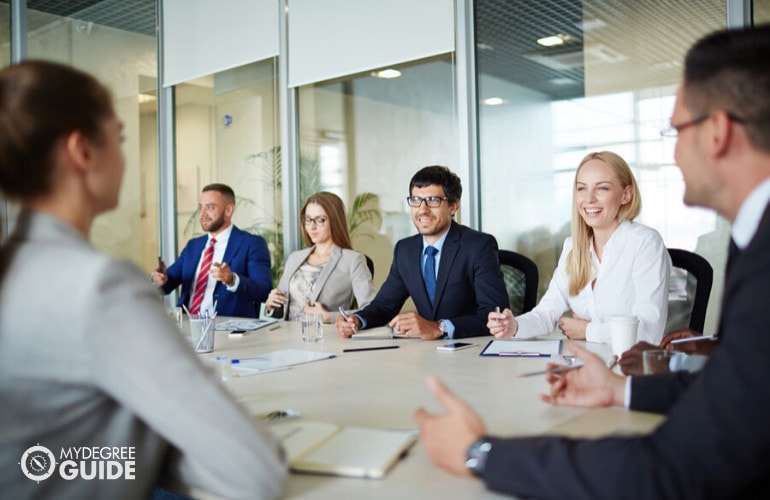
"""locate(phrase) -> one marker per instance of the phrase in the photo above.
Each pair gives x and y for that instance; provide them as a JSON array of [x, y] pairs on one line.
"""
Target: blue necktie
[[429, 272]]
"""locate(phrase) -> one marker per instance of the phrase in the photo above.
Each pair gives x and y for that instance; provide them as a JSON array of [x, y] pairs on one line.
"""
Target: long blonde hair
[[580, 269]]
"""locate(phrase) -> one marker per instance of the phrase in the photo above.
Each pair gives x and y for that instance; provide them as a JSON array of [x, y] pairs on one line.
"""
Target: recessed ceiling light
[[146, 98], [494, 101], [387, 73], [551, 41]]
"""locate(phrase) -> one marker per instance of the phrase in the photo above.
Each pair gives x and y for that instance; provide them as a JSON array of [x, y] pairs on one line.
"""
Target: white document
[[276, 360], [324, 448], [522, 348], [379, 333]]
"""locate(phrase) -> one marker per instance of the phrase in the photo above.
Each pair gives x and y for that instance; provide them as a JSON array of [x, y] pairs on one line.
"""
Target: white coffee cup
[[622, 333]]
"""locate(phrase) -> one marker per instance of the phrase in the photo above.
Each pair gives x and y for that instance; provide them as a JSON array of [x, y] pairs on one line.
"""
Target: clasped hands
[[277, 299], [410, 324]]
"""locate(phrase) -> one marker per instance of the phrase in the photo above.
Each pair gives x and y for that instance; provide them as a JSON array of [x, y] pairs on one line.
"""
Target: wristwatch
[[476, 457], [444, 327]]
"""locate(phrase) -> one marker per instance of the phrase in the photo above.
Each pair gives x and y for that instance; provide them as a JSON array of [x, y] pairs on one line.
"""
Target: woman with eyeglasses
[[328, 274], [610, 266]]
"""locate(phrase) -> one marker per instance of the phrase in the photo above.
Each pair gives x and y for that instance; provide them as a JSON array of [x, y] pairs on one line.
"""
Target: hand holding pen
[[502, 324], [346, 325], [158, 276], [592, 385]]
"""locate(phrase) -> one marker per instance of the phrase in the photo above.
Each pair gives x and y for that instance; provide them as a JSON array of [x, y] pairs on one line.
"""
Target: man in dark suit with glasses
[[451, 272]]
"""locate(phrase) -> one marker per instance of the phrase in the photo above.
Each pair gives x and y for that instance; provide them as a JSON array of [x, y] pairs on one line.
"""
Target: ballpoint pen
[[344, 315], [378, 348], [560, 369]]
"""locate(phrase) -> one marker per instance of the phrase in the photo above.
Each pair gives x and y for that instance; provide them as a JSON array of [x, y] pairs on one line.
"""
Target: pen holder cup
[[312, 327], [202, 331]]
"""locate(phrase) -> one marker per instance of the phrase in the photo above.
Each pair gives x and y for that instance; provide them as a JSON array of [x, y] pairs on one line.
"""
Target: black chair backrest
[[370, 264], [521, 280], [689, 290]]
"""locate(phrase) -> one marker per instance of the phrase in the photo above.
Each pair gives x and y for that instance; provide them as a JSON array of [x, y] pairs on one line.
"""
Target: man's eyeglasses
[[430, 201], [318, 221], [675, 130]]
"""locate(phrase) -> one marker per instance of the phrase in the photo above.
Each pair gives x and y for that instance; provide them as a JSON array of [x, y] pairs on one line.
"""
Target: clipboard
[[522, 348]]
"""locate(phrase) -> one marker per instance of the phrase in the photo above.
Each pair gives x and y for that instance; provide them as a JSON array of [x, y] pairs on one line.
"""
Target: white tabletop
[[383, 389]]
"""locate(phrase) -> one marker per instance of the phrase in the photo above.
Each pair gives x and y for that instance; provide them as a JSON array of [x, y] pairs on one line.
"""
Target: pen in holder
[[202, 331]]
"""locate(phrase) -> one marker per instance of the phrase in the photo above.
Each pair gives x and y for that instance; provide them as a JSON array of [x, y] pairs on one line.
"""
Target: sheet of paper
[[276, 360], [522, 348]]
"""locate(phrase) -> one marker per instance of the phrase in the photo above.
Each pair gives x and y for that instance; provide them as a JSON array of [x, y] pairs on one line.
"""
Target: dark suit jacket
[[715, 442], [246, 254], [469, 283]]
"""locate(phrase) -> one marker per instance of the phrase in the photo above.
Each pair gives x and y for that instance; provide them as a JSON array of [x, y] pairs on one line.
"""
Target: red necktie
[[203, 278]]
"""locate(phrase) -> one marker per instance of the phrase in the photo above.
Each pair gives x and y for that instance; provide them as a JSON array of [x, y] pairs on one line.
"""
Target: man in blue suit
[[451, 272], [715, 440], [239, 276]]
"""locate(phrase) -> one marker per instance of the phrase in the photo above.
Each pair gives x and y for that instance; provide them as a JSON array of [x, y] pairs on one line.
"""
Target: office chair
[[689, 290], [370, 264], [521, 279]]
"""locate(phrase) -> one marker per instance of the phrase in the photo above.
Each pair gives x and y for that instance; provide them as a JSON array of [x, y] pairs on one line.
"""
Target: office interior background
[[283, 98]]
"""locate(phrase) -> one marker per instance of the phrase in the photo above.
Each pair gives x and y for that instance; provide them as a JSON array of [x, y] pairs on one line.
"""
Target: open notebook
[[324, 448]]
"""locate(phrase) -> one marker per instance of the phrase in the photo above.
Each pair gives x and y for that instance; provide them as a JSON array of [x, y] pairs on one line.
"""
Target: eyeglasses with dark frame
[[319, 221], [674, 130], [430, 201]]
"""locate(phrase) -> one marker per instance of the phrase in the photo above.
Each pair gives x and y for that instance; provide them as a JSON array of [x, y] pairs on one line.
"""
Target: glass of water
[[312, 330]]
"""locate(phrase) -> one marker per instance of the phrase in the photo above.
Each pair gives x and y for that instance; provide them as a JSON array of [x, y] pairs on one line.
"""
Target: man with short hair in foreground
[[716, 439]]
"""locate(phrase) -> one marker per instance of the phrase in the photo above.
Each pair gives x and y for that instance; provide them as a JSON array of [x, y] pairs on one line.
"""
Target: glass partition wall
[[364, 137], [558, 79], [115, 42], [227, 131]]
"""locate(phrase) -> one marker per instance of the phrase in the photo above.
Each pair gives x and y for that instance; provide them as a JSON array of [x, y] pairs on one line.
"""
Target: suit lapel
[[734, 268], [334, 259], [233, 243]]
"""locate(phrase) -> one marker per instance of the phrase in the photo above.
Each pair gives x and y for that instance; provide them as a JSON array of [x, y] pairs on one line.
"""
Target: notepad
[[380, 333], [276, 360], [522, 348], [324, 448]]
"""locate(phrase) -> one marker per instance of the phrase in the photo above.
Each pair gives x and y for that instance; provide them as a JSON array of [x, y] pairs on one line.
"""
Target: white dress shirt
[[631, 280], [219, 253]]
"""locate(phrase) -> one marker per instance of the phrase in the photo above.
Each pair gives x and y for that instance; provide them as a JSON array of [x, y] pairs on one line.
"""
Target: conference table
[[383, 388]]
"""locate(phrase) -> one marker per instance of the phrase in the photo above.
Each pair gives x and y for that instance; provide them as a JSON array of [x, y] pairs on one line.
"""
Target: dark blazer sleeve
[[182, 271], [471, 285], [715, 441], [247, 254], [394, 291]]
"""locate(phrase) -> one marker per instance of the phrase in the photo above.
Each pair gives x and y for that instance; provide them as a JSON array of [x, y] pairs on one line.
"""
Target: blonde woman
[[329, 273], [610, 265]]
